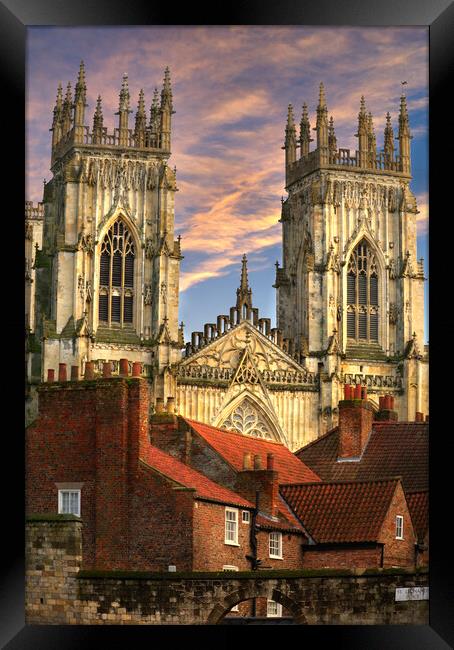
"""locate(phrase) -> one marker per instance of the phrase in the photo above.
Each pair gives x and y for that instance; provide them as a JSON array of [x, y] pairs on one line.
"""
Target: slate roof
[[394, 449], [343, 511], [418, 505], [232, 446], [190, 478]]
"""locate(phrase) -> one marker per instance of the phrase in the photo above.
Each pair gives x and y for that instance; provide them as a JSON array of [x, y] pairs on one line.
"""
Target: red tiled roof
[[232, 446], [418, 505], [188, 477], [344, 511], [393, 449]]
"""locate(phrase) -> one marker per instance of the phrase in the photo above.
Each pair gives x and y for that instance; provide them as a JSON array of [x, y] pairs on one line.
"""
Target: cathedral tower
[[350, 292], [108, 269]]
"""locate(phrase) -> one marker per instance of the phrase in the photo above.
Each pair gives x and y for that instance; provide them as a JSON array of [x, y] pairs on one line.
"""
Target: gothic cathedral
[[102, 275]]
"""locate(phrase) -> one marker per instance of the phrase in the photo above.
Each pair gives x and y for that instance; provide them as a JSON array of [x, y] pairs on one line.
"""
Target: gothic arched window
[[362, 295], [116, 276]]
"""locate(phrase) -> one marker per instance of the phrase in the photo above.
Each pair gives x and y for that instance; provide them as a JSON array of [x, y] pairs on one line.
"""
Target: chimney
[[170, 408], [89, 370], [50, 375], [62, 372], [386, 410], [159, 406], [419, 417], [136, 369], [124, 368], [107, 369], [265, 481], [356, 415], [74, 373]]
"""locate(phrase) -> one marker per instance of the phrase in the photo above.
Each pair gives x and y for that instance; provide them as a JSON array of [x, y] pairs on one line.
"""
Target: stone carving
[[149, 248], [147, 294], [81, 286], [339, 312], [392, 270], [374, 381], [28, 230], [85, 242], [164, 292], [246, 420], [393, 313], [88, 292], [332, 260]]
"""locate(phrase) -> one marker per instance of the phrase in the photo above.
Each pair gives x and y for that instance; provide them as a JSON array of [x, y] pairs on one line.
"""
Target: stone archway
[[223, 607]]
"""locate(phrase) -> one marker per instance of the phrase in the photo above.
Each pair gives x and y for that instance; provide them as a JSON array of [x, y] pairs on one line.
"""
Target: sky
[[231, 88]]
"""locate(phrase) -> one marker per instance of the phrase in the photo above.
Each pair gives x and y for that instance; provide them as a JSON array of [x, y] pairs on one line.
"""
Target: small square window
[[399, 527], [273, 609], [231, 526], [245, 516], [69, 502], [275, 541]]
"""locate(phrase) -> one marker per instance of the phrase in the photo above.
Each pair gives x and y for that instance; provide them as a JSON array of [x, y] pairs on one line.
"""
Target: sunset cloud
[[231, 87]]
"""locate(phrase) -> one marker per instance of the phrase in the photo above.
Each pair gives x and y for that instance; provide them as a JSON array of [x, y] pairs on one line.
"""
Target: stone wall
[[58, 593]]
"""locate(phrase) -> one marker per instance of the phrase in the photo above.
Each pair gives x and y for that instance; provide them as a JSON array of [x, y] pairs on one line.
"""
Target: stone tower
[[107, 273], [350, 292]]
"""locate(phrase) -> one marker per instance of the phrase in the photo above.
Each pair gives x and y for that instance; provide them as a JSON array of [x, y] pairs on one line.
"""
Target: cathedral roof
[[187, 477], [232, 446], [393, 449], [344, 511]]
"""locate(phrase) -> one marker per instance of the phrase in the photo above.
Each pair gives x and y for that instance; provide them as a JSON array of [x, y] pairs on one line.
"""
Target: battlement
[[34, 212]]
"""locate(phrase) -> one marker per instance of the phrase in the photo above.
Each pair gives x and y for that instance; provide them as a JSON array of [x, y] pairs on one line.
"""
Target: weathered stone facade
[[58, 593]]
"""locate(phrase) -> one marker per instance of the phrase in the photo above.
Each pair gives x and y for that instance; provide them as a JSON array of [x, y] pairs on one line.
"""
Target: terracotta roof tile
[[393, 449], [232, 446], [188, 477], [344, 511], [418, 505]]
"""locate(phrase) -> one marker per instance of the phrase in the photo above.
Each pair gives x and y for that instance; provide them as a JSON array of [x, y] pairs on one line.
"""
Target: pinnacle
[[322, 98]]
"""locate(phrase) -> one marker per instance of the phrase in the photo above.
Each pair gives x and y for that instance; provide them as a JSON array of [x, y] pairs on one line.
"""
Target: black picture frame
[[15, 17]]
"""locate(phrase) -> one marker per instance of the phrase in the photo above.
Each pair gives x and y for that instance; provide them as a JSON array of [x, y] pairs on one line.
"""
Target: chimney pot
[[159, 405], [391, 401], [74, 373], [427, 418], [270, 461], [257, 462], [358, 391], [136, 369], [247, 460], [170, 405], [381, 402], [62, 372], [347, 392], [124, 367], [107, 369], [50, 375], [419, 417], [363, 392], [89, 370]]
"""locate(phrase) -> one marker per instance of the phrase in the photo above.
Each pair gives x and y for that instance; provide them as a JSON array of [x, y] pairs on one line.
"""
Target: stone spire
[[305, 132], [67, 110], [404, 136], [98, 122], [388, 141], [321, 126], [57, 119], [290, 138], [141, 122], [166, 111], [153, 126], [363, 134], [123, 113], [332, 140], [372, 141], [80, 96], [243, 293]]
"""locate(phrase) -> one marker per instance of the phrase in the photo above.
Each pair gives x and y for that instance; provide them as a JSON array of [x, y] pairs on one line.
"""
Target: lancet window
[[362, 295], [116, 276]]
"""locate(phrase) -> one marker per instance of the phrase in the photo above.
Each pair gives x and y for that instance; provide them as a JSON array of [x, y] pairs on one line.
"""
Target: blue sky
[[231, 88]]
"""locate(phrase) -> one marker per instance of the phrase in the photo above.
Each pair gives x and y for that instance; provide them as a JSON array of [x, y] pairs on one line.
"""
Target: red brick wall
[[210, 550], [161, 529], [398, 552], [265, 481], [60, 447], [342, 558], [355, 424], [291, 551]]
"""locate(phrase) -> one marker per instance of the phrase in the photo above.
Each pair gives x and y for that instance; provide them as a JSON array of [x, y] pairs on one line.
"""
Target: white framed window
[[69, 502], [230, 567], [273, 609], [245, 516], [276, 545], [231, 526], [399, 527]]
